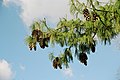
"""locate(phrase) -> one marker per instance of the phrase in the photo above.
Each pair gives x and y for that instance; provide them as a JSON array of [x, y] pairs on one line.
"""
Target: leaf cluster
[[93, 21]]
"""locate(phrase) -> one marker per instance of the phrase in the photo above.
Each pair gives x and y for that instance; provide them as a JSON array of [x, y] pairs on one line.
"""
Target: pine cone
[[95, 17], [35, 33], [83, 58], [55, 64], [35, 48], [31, 45], [93, 48], [85, 12]]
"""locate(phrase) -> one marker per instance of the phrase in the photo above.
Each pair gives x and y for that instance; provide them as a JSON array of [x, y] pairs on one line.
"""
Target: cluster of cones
[[83, 55], [88, 17], [56, 63], [37, 36]]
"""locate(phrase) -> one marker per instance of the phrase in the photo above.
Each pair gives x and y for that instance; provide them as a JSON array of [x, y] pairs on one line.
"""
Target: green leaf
[[96, 3], [51, 56]]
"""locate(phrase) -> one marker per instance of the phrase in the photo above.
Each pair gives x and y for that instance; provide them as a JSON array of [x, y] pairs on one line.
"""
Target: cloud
[[5, 70], [5, 2], [22, 67], [68, 72], [38, 9]]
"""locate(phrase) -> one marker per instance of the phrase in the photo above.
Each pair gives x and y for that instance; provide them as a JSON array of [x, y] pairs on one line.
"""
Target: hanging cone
[[83, 58]]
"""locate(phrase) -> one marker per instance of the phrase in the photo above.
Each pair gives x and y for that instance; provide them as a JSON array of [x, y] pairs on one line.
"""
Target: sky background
[[18, 63]]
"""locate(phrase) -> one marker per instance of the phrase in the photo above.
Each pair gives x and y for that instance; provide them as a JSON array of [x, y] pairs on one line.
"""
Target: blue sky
[[30, 65]]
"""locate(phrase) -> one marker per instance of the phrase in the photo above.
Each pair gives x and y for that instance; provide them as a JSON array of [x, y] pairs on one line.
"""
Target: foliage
[[93, 21]]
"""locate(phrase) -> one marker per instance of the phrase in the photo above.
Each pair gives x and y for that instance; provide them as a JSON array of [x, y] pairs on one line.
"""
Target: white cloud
[[38, 9], [5, 70], [68, 72], [22, 67], [5, 2], [34, 9]]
